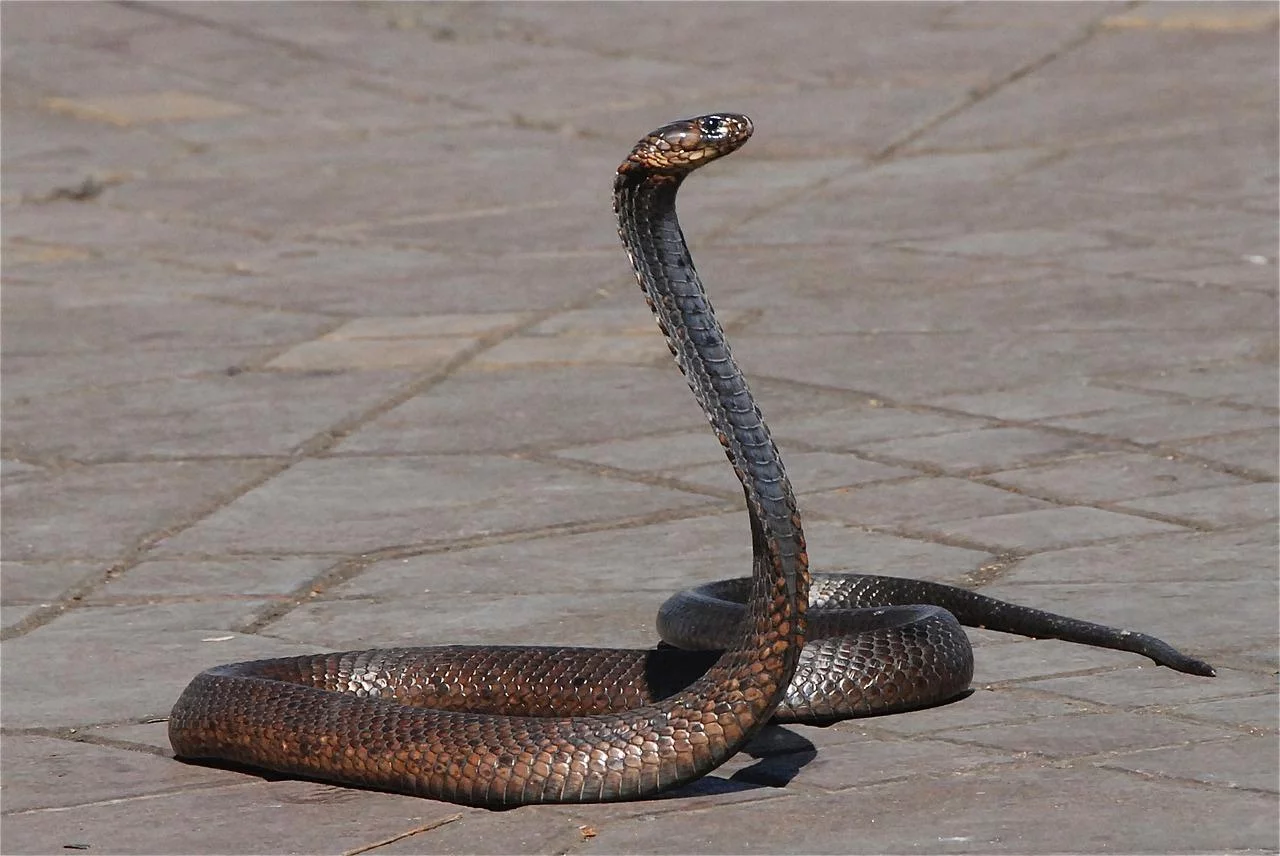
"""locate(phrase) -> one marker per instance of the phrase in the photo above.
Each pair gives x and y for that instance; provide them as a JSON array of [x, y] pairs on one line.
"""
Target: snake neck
[[650, 231]]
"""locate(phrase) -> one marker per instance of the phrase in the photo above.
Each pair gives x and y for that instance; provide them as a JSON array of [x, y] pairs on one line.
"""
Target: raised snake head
[[683, 146]]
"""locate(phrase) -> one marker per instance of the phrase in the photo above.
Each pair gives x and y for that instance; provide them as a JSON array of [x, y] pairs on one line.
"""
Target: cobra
[[508, 725]]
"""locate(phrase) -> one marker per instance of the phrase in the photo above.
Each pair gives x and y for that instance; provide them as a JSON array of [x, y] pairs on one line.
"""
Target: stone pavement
[[317, 335]]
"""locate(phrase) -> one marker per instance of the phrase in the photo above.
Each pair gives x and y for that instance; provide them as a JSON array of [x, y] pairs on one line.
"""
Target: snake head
[[685, 145]]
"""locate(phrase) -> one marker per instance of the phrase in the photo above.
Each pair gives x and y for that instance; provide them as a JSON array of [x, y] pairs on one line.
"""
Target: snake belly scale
[[507, 725]]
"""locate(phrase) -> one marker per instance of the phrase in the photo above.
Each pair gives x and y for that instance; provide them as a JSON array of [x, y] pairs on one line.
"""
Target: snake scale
[[502, 725]]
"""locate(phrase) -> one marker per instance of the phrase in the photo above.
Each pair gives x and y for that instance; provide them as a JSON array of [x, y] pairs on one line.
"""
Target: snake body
[[505, 725]]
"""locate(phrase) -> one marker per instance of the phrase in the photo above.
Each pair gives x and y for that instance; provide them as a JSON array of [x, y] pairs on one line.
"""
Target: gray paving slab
[[1115, 477], [1252, 451], [316, 334], [105, 510]]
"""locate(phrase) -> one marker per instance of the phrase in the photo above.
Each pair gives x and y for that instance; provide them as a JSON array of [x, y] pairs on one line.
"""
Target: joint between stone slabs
[[352, 567], [620, 474], [132, 557], [981, 93]]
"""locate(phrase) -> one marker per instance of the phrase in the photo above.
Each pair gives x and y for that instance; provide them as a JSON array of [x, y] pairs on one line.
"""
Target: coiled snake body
[[503, 726]]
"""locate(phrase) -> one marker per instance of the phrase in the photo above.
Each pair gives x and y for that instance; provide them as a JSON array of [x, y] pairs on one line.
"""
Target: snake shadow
[[780, 752]]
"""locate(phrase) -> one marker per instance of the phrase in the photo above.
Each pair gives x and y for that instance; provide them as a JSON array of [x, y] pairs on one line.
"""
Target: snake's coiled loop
[[356, 718], [503, 726]]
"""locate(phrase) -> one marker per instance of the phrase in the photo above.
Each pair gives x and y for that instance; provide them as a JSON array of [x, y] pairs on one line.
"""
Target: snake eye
[[713, 127]]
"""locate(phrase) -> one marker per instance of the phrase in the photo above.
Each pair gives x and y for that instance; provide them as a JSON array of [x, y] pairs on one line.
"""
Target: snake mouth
[[687, 144]]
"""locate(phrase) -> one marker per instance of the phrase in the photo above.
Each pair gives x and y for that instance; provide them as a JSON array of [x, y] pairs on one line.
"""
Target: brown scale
[[504, 725]]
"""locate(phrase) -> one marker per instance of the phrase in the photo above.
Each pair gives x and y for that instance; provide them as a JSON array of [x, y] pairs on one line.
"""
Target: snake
[[503, 726]]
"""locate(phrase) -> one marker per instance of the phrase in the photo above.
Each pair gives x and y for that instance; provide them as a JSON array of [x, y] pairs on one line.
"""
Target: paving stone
[[809, 472], [586, 337], [261, 577], [550, 830], [71, 71], [1089, 734], [14, 470], [245, 413], [902, 211], [1112, 66], [44, 773], [1204, 617], [876, 114], [1023, 242], [45, 377], [658, 558], [362, 504], [697, 458], [1258, 713], [1241, 275], [41, 24], [1048, 528], [674, 453], [1112, 478], [235, 819], [567, 227], [167, 645], [1033, 22], [1258, 655], [328, 355], [1049, 302], [1244, 762], [35, 582], [982, 449], [864, 761], [1167, 166], [849, 549], [1253, 450], [918, 502], [151, 734], [368, 195], [969, 812], [1163, 689], [749, 275], [947, 167], [988, 705], [1140, 262], [57, 321], [1244, 554], [1221, 506], [1166, 422], [762, 38], [571, 350], [1248, 384], [12, 616], [604, 620], [1001, 659], [448, 332], [1227, 17], [889, 364], [100, 511], [494, 411], [167, 106], [99, 230], [384, 281], [1043, 400], [846, 429]]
